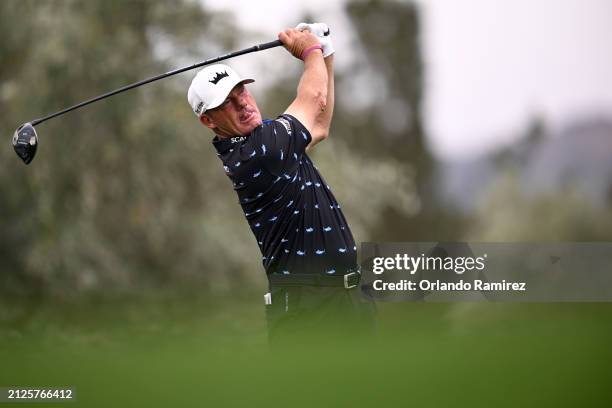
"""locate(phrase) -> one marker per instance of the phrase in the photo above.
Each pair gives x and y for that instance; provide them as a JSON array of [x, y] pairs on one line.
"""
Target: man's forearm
[[314, 84], [314, 103], [324, 119]]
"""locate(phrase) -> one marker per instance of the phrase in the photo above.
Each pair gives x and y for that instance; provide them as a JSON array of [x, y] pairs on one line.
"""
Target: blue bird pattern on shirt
[[298, 225]]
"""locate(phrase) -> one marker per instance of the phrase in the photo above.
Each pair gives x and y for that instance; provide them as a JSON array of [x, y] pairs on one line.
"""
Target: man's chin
[[250, 126]]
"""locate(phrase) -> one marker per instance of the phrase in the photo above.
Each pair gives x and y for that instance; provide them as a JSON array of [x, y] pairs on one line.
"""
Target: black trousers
[[307, 314]]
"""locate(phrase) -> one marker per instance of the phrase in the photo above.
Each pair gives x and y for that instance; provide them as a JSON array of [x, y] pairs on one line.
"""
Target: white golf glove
[[321, 30]]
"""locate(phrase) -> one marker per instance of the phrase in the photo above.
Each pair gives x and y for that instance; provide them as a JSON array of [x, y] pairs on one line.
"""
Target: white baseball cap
[[210, 87]]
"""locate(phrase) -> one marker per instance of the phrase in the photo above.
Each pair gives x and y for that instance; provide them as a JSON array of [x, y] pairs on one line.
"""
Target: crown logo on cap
[[218, 77]]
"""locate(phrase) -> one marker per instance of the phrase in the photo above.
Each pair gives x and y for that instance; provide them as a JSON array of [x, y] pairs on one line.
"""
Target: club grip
[[271, 44]]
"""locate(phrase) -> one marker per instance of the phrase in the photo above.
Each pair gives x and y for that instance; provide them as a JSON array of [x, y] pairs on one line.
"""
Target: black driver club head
[[25, 141]]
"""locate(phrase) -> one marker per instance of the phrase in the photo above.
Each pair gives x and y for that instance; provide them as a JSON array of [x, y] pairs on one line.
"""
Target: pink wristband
[[311, 49]]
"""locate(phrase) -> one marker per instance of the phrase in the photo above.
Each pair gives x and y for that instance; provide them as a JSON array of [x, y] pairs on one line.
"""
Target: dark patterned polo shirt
[[297, 222]]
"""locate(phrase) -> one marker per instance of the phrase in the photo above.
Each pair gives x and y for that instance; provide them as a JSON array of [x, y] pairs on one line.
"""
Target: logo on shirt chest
[[285, 123], [237, 139]]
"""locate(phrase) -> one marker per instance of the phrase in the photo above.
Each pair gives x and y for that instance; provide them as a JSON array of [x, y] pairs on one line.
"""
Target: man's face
[[238, 115]]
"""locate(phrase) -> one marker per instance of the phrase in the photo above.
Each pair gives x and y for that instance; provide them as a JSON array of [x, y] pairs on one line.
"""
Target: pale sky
[[491, 64]]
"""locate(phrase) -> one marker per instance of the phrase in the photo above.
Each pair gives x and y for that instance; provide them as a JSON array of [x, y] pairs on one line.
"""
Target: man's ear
[[207, 121]]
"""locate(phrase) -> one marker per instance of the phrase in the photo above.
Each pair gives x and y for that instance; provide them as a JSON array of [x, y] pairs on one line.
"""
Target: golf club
[[25, 139]]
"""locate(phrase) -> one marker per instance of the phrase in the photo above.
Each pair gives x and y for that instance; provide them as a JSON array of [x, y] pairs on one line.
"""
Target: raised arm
[[311, 98], [323, 120]]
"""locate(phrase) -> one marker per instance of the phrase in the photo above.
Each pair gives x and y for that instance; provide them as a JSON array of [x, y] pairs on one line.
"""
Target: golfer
[[308, 251]]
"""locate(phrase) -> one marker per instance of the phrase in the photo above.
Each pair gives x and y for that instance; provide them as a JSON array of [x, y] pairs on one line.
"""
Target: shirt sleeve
[[283, 143]]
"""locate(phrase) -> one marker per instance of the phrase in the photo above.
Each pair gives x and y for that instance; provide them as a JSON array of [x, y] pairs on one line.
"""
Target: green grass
[[171, 350]]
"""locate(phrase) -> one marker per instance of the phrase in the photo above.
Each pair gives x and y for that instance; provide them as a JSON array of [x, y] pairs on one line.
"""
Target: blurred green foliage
[[510, 211], [161, 351], [509, 214], [125, 193]]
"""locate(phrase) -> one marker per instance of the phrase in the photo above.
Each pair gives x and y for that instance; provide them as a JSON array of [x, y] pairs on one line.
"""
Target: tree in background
[[121, 194]]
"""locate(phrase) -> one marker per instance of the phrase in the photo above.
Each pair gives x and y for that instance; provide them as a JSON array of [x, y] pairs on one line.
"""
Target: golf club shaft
[[254, 48]]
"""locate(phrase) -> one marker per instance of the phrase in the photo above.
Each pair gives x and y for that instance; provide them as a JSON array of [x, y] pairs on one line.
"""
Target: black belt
[[348, 280]]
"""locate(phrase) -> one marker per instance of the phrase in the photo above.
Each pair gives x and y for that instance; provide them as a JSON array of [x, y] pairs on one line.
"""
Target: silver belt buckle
[[346, 280]]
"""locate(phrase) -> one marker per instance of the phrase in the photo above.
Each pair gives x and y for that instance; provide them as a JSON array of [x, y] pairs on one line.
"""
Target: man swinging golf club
[[308, 250]]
